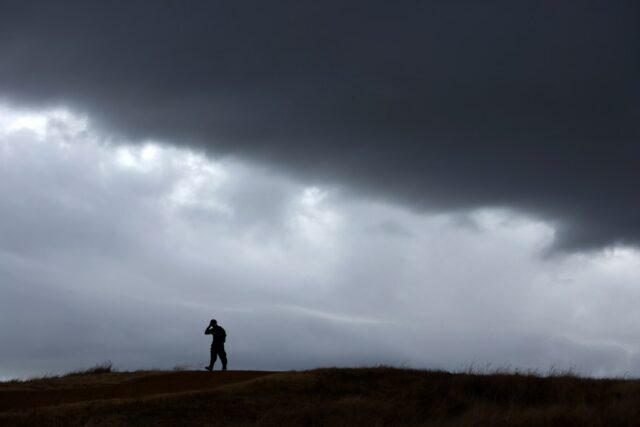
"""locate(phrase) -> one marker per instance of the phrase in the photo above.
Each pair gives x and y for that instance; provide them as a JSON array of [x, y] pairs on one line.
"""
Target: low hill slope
[[111, 385], [323, 397]]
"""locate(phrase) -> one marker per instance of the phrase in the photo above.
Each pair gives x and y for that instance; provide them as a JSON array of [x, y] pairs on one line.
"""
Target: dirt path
[[20, 397]]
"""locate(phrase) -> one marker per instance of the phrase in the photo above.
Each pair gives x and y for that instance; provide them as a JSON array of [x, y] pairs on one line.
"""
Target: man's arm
[[209, 330]]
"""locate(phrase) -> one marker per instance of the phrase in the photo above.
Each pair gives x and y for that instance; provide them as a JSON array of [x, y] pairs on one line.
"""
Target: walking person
[[217, 345]]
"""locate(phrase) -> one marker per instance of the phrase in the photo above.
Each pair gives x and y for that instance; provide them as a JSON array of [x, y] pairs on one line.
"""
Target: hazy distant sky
[[435, 184]]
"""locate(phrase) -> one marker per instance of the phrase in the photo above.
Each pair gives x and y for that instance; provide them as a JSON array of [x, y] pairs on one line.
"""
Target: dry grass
[[102, 368], [367, 397]]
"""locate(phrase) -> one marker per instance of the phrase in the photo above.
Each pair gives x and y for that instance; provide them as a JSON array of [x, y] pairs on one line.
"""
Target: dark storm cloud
[[442, 105]]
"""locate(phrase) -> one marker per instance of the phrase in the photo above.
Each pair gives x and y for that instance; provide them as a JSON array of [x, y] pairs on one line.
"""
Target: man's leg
[[223, 357], [214, 357]]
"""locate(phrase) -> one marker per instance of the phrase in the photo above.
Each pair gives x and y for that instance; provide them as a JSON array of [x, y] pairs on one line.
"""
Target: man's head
[[213, 322]]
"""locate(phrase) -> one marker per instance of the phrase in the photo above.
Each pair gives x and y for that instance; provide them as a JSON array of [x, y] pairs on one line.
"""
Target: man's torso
[[219, 336]]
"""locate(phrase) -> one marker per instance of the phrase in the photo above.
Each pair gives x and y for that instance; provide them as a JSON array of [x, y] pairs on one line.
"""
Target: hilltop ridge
[[321, 397]]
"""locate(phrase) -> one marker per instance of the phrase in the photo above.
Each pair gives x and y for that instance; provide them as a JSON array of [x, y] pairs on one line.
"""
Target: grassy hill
[[322, 397]]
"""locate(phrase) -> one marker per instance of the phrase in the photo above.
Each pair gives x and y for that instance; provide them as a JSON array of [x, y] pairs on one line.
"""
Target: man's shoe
[[208, 368], [224, 368]]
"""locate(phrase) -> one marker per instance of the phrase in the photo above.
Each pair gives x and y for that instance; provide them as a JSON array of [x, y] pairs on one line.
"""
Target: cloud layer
[[438, 105], [124, 251]]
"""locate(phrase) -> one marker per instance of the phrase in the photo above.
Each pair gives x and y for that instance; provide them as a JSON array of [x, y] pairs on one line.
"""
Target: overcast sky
[[430, 184]]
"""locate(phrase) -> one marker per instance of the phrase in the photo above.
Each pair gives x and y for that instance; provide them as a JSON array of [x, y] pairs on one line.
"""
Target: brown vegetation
[[102, 368], [326, 397]]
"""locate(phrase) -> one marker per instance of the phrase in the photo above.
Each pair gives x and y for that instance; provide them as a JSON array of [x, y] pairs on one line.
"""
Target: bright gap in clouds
[[123, 251]]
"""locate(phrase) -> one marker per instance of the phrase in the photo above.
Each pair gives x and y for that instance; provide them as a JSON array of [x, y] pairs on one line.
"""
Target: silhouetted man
[[217, 345]]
